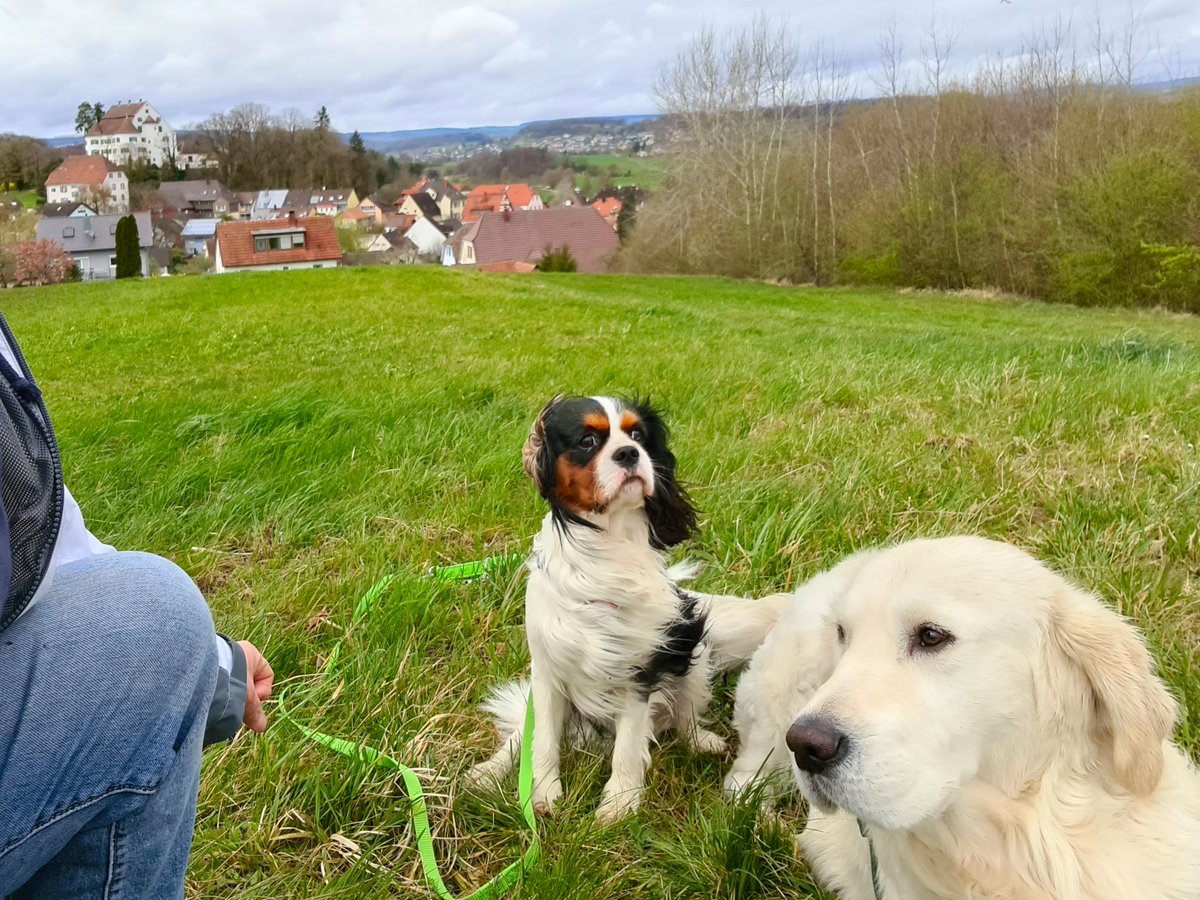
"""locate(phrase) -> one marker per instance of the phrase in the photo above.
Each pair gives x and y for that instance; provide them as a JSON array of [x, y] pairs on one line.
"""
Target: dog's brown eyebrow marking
[[596, 420], [629, 420]]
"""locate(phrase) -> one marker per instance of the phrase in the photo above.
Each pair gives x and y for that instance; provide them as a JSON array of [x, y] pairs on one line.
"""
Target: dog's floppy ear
[[1134, 712], [669, 509], [534, 454]]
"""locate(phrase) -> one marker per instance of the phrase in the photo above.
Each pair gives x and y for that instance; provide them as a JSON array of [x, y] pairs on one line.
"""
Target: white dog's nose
[[816, 743]]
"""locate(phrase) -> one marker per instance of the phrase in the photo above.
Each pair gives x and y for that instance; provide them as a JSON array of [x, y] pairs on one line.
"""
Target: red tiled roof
[[236, 240], [519, 194], [119, 120], [124, 110], [81, 170], [490, 198], [522, 235], [509, 265], [113, 126], [610, 206]]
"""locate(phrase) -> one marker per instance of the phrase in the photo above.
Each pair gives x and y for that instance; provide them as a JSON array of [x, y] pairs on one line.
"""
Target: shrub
[[129, 252], [559, 260], [40, 262]]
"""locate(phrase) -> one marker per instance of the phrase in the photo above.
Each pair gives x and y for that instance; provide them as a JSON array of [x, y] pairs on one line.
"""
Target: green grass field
[[644, 171], [288, 438], [28, 199]]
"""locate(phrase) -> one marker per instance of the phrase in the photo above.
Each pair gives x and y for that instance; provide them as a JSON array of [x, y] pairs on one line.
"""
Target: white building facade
[[130, 133]]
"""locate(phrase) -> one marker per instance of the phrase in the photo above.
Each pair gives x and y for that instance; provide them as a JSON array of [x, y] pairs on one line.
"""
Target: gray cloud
[[423, 64]]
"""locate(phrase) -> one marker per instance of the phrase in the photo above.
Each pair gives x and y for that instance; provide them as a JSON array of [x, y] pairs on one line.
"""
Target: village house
[[191, 156], [132, 132], [419, 205], [91, 242], [373, 210], [196, 235], [428, 237], [271, 245], [609, 209], [90, 179], [516, 240], [498, 198], [352, 218], [378, 243], [448, 196], [206, 199], [279, 203], [67, 209], [330, 202]]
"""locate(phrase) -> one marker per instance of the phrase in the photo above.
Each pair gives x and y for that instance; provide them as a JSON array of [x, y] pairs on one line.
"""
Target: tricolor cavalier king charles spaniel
[[614, 641]]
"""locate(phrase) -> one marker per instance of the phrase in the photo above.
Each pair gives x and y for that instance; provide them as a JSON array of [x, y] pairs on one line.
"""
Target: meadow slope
[[289, 438]]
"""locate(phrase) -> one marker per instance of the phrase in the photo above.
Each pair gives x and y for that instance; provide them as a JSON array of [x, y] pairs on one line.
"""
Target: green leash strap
[[412, 784], [478, 569]]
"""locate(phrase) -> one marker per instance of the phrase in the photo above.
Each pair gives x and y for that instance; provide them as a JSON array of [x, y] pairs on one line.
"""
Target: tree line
[[257, 148], [1046, 173]]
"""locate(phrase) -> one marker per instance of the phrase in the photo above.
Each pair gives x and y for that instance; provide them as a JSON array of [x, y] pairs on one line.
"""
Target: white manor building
[[132, 132]]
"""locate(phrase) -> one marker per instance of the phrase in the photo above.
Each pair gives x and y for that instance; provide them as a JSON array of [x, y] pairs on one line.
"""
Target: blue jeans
[[105, 685]]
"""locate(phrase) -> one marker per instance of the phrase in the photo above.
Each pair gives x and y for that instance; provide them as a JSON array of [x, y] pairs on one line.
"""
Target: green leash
[[412, 784], [478, 569]]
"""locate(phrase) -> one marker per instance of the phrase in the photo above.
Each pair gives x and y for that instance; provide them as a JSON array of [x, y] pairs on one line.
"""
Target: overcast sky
[[381, 66]]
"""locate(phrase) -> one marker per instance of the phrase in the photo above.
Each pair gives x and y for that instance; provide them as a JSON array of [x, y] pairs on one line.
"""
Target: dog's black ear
[[536, 454], [669, 509]]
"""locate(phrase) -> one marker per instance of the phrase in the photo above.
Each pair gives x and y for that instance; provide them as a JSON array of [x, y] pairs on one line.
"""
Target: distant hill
[[418, 139], [1172, 85]]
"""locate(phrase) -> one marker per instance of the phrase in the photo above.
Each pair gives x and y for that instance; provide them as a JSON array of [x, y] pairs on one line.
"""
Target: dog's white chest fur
[[596, 607]]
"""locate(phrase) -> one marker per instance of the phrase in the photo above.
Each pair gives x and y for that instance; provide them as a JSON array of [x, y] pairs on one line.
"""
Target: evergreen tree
[[129, 254], [627, 217], [360, 166], [321, 120], [87, 115]]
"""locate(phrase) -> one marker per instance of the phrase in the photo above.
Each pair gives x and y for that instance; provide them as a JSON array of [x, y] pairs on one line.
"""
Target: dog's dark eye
[[589, 442], [931, 637], [636, 434], [841, 633]]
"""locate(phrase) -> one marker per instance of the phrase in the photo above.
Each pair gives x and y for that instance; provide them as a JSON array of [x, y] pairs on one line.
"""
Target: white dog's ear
[[1134, 712]]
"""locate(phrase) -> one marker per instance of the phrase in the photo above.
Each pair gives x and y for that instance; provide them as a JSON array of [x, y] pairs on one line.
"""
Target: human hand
[[259, 677]]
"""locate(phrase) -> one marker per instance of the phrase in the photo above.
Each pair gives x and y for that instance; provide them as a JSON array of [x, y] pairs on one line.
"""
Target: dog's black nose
[[817, 744], [626, 457]]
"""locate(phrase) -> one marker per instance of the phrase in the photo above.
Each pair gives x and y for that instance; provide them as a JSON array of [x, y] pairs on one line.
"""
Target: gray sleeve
[[229, 700]]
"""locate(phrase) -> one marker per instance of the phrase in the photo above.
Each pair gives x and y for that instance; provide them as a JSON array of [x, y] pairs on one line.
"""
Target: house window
[[279, 242]]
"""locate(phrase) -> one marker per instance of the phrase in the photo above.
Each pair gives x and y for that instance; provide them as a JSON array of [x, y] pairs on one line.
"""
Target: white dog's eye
[[930, 637], [636, 434], [841, 633], [589, 442]]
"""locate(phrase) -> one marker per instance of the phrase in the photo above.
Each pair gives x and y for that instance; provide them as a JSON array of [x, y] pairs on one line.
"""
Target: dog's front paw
[[616, 806], [545, 794], [485, 775], [738, 781], [709, 742]]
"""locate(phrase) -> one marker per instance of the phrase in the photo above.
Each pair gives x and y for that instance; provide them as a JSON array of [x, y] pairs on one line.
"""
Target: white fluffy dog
[[998, 732], [614, 641]]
